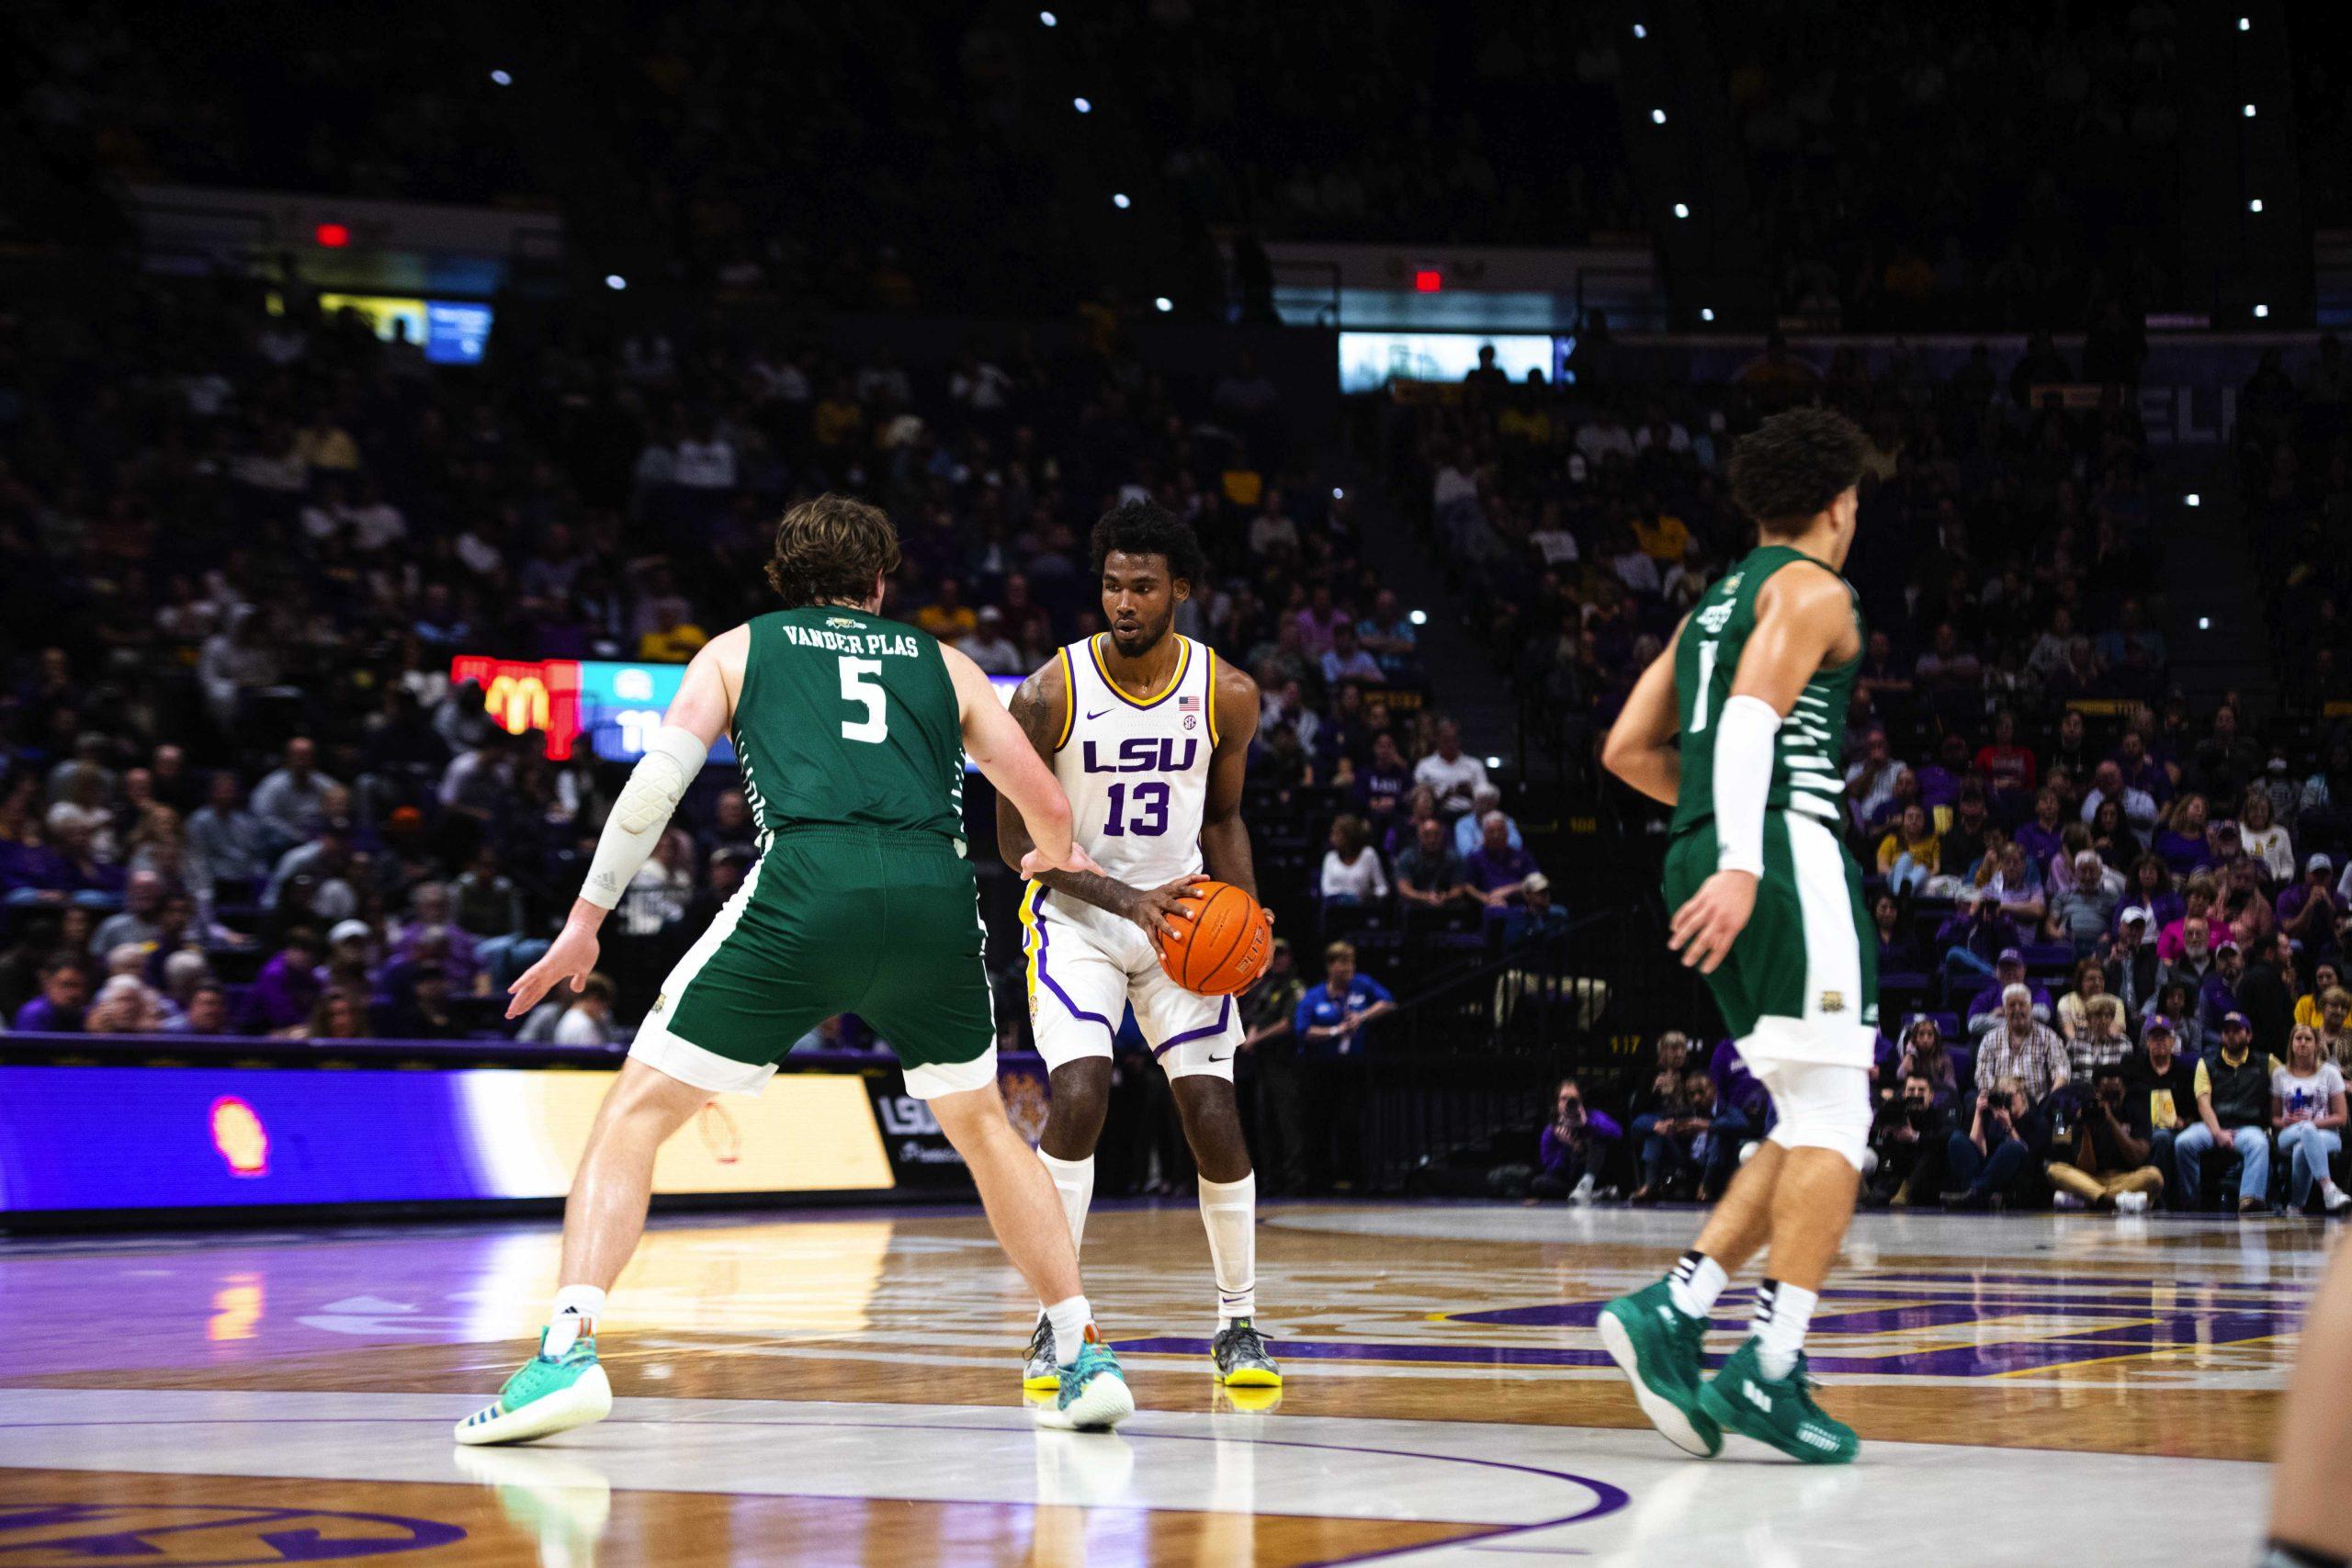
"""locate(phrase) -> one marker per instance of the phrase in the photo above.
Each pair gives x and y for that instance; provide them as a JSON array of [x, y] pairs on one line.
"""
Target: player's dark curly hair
[[1789, 468], [1147, 528], [832, 549]]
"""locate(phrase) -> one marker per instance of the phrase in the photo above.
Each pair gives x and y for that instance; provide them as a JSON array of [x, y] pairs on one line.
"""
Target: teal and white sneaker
[[548, 1394], [1095, 1396]]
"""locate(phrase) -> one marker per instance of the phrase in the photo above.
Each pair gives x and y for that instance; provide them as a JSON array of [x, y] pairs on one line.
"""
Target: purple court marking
[[2164, 1331], [116, 1533], [1607, 1499]]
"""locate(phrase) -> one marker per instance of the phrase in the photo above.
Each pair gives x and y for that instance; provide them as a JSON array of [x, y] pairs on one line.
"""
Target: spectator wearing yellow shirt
[[1912, 853], [2325, 977], [323, 443], [838, 419], [1661, 535], [947, 617], [672, 641]]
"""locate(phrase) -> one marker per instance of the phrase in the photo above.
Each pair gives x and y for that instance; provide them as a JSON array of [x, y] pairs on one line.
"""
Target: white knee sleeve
[[1820, 1106]]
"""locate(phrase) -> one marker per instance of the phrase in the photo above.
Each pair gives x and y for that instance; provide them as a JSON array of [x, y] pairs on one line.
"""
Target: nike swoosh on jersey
[[1092, 717]]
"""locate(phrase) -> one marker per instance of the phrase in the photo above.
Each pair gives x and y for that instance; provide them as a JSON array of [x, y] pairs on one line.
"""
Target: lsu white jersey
[[1136, 770]]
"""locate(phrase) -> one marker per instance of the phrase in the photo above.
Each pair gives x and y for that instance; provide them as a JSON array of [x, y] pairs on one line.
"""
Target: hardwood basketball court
[[843, 1387]]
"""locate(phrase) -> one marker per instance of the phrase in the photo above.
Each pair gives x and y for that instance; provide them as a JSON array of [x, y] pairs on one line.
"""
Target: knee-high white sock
[[1229, 1209], [572, 1318], [1783, 1312], [1074, 1180]]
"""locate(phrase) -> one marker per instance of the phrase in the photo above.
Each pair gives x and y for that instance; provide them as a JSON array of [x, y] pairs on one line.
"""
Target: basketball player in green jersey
[[1768, 908], [851, 733], [2309, 1526]]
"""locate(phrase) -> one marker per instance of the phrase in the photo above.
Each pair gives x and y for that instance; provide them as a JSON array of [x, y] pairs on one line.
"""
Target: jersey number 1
[[860, 688], [1706, 678]]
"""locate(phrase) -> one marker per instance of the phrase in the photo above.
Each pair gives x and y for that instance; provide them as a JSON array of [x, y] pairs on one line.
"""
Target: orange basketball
[[1220, 951]]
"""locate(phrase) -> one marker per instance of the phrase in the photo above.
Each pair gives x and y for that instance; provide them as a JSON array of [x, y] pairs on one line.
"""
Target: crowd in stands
[[242, 548], [2007, 552]]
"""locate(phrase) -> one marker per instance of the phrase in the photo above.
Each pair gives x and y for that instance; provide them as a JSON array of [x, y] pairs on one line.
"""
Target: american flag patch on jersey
[[1187, 704]]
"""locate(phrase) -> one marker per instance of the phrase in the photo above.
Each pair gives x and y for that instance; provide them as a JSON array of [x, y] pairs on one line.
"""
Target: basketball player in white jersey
[[1148, 733]]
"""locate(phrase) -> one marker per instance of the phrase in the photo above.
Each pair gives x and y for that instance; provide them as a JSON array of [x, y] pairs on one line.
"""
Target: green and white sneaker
[[1039, 1373], [548, 1394], [1778, 1411], [1658, 1345], [1095, 1396]]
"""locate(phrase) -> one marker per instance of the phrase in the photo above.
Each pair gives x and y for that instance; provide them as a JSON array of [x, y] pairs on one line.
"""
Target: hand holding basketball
[[1222, 948]]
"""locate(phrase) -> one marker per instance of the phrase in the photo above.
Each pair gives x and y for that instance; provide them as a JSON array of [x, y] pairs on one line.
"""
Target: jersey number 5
[[860, 688]]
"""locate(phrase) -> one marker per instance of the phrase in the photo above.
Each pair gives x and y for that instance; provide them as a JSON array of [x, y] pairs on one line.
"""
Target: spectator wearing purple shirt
[[1319, 624], [1729, 1070], [2040, 834], [65, 994], [1496, 872], [1941, 780], [1349, 660], [1575, 1147], [288, 987], [1984, 1014], [1383, 782]]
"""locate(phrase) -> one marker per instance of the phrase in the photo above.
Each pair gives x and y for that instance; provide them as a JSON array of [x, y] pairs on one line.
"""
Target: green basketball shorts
[[1801, 982], [834, 920]]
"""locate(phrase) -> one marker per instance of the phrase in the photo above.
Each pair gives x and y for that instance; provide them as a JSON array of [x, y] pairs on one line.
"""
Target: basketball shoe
[[1658, 1345], [1241, 1358], [1037, 1370], [1778, 1411], [1094, 1396], [548, 1394]]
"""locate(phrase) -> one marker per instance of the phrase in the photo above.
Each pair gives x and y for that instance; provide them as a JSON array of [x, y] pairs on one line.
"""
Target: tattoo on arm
[[1036, 708]]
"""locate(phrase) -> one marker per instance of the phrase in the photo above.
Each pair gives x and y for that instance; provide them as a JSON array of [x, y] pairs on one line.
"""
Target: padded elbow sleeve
[[672, 757]]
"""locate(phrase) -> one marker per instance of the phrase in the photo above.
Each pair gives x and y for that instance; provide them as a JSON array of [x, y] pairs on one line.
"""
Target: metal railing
[[1474, 1054]]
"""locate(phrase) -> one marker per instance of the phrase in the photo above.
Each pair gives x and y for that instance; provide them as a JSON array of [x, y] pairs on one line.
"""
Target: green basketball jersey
[[1808, 755], [848, 719]]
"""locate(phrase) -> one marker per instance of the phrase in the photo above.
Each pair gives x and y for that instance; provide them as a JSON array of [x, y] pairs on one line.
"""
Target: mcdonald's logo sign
[[522, 695]]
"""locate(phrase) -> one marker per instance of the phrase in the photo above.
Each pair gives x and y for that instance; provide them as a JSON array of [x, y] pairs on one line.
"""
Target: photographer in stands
[[2110, 1166], [1573, 1152]]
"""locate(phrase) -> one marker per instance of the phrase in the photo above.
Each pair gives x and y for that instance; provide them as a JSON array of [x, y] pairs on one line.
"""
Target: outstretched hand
[[569, 957], [1705, 928]]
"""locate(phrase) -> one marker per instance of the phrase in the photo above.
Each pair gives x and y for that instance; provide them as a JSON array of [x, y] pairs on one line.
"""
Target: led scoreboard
[[614, 708]]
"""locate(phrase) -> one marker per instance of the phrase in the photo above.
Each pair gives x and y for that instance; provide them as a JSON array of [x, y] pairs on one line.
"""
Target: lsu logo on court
[[55, 1535]]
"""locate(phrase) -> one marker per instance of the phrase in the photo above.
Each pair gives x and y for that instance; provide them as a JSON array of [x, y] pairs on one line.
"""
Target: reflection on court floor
[[843, 1387]]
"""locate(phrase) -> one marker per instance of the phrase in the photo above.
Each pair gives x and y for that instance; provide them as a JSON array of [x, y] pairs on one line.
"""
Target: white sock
[[1694, 1282], [1074, 1180], [1070, 1318], [1783, 1312], [1229, 1210], [572, 1318]]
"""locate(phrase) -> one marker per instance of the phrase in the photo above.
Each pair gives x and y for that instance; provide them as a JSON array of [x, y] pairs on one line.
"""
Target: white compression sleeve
[[1743, 775], [655, 785]]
